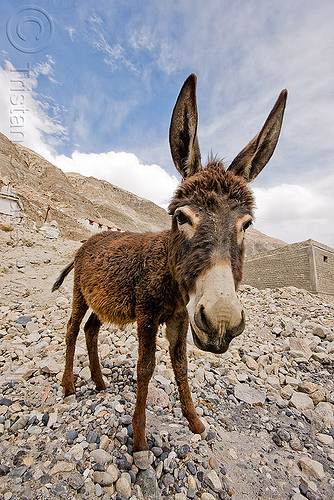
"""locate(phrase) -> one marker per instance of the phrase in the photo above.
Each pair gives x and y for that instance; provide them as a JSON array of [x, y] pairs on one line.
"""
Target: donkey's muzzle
[[215, 312], [213, 340]]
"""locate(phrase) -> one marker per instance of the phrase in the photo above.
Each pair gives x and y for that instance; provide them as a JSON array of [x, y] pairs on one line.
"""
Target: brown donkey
[[186, 275]]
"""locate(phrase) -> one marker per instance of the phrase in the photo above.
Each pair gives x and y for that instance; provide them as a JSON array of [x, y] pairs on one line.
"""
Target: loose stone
[[213, 481], [123, 487], [103, 478], [183, 451], [101, 456], [76, 481], [191, 467], [312, 467], [71, 436]]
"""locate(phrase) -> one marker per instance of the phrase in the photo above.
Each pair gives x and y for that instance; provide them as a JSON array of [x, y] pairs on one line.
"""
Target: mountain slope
[[73, 197]]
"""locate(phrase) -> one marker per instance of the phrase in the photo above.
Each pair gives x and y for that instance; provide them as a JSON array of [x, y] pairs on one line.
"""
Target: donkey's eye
[[247, 225], [182, 218]]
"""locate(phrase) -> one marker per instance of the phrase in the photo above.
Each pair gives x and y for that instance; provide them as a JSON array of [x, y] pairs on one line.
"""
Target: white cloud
[[294, 213], [23, 117], [99, 38], [40, 131], [71, 31], [124, 170]]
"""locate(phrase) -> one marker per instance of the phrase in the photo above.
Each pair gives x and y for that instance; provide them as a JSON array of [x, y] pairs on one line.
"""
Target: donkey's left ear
[[183, 131], [254, 157]]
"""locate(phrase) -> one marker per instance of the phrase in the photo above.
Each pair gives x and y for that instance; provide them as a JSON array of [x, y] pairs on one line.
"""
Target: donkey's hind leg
[[79, 309], [91, 332]]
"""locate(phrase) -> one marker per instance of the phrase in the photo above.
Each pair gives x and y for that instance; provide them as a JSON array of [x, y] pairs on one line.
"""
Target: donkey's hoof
[[69, 399], [143, 459], [101, 386], [204, 434]]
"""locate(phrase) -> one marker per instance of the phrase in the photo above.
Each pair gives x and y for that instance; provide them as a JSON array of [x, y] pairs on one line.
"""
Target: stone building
[[10, 203], [308, 265]]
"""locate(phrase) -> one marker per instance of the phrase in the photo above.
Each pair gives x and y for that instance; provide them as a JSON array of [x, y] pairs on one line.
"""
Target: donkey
[[185, 275]]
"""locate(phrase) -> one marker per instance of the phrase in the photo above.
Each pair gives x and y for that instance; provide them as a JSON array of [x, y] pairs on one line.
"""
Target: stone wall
[[308, 265], [324, 264]]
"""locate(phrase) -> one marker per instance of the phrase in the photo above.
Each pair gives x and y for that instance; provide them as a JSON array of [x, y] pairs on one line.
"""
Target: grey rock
[[125, 420], [76, 481], [183, 451], [148, 484], [191, 467], [210, 436], [283, 435], [213, 481], [93, 437], [101, 456], [248, 394], [170, 463], [182, 474], [123, 464], [103, 478], [20, 423], [156, 450], [168, 479], [191, 492], [23, 320], [122, 435], [60, 488], [71, 435], [98, 491], [19, 471], [5, 402], [123, 487]]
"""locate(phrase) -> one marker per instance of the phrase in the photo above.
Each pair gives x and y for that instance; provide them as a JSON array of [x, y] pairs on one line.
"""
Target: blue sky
[[105, 80]]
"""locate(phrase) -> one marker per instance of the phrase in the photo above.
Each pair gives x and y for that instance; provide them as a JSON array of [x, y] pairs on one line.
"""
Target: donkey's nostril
[[201, 320]]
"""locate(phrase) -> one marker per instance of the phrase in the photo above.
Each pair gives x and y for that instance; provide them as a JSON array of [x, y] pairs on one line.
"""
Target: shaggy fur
[[126, 277]]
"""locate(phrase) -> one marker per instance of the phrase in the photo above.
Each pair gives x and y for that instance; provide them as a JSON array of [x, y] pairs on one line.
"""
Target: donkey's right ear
[[183, 131]]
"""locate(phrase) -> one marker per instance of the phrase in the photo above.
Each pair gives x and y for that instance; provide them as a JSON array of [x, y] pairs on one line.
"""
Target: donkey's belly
[[112, 306]]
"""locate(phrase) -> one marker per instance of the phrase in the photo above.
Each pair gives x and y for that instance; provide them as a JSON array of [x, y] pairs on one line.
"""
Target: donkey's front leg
[[176, 333], [147, 333]]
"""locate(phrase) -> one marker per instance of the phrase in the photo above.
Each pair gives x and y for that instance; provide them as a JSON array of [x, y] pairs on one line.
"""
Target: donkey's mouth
[[213, 342], [217, 348]]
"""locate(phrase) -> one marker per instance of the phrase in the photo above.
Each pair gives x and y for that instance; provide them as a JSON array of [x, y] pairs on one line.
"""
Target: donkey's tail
[[63, 275]]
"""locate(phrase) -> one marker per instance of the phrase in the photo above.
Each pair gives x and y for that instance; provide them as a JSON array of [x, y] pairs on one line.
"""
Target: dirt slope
[[74, 197]]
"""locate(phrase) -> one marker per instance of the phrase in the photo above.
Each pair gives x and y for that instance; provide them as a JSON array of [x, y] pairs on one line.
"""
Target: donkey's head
[[211, 210]]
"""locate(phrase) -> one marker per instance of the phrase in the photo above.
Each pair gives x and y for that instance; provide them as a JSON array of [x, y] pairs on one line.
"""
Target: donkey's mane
[[209, 186]]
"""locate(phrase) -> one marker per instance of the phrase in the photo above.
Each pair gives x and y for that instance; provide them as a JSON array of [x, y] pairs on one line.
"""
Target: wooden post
[[47, 213]]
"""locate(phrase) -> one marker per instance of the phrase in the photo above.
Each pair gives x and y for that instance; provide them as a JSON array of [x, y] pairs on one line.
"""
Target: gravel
[[267, 403]]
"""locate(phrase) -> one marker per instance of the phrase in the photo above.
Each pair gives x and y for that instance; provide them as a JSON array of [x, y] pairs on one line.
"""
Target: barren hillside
[[73, 197]]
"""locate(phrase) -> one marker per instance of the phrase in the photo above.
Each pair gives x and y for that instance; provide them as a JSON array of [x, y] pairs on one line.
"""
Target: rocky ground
[[268, 402]]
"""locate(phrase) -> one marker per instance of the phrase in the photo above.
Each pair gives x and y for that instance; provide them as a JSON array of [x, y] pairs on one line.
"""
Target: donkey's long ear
[[183, 131], [253, 158]]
